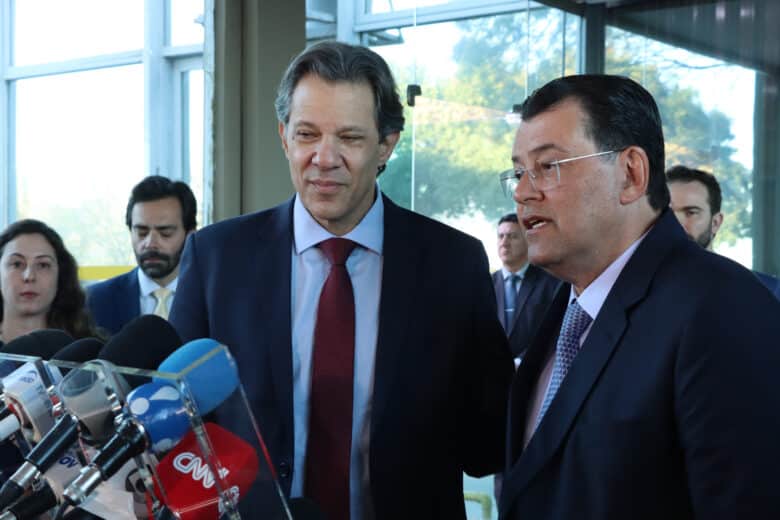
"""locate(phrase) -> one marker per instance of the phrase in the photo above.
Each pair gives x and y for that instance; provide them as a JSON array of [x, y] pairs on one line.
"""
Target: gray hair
[[335, 61]]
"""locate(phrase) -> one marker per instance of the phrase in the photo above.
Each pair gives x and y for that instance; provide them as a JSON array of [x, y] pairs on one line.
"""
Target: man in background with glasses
[[650, 389]]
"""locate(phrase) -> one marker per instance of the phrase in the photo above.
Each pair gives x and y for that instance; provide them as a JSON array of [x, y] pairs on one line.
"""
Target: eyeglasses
[[544, 175]]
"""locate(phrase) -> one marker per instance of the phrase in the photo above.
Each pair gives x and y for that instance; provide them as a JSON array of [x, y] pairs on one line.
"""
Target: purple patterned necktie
[[575, 321]]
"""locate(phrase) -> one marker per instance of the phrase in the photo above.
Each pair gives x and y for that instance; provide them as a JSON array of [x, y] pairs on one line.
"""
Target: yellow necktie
[[161, 294]]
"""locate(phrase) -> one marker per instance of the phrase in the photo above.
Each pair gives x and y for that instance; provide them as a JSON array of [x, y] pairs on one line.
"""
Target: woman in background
[[39, 283]]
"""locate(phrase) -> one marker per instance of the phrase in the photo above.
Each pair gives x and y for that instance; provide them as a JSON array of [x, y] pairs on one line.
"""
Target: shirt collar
[[593, 297], [520, 272], [369, 232], [147, 285]]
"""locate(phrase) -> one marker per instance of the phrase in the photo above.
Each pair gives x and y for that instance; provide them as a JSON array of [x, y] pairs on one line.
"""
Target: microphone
[[43, 343], [39, 343], [187, 484], [84, 396], [79, 351], [143, 343], [110, 501], [27, 399], [47, 495], [209, 382], [44, 453]]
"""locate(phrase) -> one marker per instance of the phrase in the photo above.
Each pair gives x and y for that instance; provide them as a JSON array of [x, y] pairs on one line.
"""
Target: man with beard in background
[[160, 214], [696, 200]]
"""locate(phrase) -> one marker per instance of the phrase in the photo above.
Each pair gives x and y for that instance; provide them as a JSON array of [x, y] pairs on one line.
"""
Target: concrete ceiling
[[739, 31]]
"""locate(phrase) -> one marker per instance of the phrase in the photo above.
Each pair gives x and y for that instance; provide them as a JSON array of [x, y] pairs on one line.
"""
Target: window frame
[[162, 97]]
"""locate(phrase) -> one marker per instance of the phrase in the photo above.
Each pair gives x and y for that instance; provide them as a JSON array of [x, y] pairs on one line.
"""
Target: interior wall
[[254, 42]]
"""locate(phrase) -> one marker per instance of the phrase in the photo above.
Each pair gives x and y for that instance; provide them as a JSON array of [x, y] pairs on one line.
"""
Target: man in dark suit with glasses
[[650, 389]]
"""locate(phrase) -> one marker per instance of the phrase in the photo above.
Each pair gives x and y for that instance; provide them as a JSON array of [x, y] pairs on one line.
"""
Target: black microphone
[[143, 343], [43, 343], [80, 351]]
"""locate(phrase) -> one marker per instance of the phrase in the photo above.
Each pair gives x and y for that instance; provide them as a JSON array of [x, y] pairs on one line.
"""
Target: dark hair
[[509, 217], [68, 310], [682, 173], [156, 187], [335, 61], [620, 113]]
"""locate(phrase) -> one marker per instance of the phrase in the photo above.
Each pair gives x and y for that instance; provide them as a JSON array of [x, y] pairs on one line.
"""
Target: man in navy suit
[[530, 289], [650, 388], [160, 214], [431, 362], [696, 199]]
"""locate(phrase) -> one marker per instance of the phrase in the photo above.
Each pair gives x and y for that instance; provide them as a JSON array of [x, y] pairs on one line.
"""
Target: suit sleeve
[[728, 404], [188, 313], [489, 371]]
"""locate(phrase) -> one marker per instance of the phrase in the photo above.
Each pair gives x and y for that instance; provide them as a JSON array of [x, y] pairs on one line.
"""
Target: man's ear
[[387, 146], [717, 220], [635, 168], [283, 136]]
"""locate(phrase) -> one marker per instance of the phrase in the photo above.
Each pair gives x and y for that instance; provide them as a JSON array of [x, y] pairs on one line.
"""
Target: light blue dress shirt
[[310, 268]]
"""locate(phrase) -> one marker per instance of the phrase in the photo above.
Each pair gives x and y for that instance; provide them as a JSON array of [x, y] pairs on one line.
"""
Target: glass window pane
[[79, 151], [459, 135], [192, 153], [706, 107], [53, 30], [389, 6], [186, 22]]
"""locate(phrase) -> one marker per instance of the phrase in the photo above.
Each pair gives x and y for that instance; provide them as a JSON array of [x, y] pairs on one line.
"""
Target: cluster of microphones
[[70, 438]]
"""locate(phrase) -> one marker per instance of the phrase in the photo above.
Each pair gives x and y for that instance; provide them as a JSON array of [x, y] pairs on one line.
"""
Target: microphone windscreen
[[142, 343], [189, 483], [42, 343], [160, 410], [80, 351], [212, 381], [83, 392]]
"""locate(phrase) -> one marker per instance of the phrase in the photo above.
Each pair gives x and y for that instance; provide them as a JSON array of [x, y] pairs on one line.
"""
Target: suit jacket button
[[284, 470]]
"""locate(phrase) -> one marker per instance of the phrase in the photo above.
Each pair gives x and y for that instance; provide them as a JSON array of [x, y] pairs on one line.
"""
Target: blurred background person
[[39, 283], [523, 291], [160, 214], [696, 202]]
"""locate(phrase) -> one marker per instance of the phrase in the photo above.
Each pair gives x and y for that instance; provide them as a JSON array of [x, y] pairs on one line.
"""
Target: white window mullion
[[158, 138], [7, 197]]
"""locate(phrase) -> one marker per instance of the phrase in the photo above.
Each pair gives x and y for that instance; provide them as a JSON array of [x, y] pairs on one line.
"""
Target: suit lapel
[[399, 279], [528, 373], [607, 330], [129, 306], [274, 253]]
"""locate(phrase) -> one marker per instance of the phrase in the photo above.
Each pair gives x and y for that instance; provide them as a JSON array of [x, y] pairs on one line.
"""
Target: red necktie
[[330, 400]]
